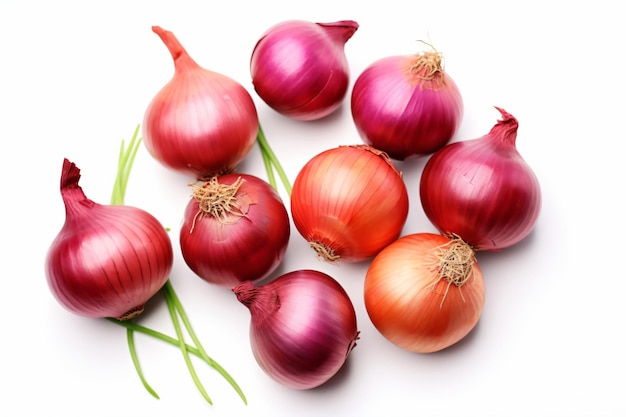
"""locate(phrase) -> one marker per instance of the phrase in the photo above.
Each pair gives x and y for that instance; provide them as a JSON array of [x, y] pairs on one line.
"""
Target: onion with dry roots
[[407, 105], [425, 292], [235, 229]]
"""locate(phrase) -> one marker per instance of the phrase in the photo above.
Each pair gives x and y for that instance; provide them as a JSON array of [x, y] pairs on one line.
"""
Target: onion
[[235, 228], [201, 122], [424, 292], [406, 105], [349, 202], [482, 190], [303, 327], [107, 260], [300, 69]]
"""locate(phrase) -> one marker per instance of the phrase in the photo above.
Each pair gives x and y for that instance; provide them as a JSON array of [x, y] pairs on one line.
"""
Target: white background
[[75, 80]]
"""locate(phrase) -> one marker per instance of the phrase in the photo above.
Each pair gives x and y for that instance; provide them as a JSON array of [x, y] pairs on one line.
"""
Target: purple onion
[[300, 69], [303, 327], [107, 260], [406, 105]]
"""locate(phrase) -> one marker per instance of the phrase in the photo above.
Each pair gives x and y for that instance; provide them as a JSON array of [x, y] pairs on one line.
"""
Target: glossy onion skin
[[300, 69], [107, 260], [482, 189], [350, 199], [303, 327], [400, 113], [242, 248], [201, 122], [402, 305]]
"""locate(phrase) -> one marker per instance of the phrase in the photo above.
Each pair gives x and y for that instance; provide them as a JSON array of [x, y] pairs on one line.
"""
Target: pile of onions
[[406, 105], [482, 190], [201, 123], [235, 228], [300, 69], [303, 327], [424, 292], [107, 260], [349, 203]]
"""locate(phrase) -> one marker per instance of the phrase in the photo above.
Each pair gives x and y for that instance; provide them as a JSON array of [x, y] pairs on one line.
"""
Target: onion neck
[[73, 196], [505, 130], [341, 31], [262, 301], [181, 58]]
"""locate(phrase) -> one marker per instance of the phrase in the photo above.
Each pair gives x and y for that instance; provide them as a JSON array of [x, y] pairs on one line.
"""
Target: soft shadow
[[524, 246]]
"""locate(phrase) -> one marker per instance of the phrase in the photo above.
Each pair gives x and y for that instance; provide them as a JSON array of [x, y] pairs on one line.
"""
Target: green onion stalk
[[272, 163], [177, 313]]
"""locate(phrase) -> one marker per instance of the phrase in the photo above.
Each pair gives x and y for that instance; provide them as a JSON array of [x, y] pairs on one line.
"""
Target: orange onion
[[349, 203], [424, 292], [201, 123]]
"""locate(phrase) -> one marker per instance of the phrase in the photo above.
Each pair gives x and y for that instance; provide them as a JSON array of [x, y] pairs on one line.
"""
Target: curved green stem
[[133, 353], [124, 166], [199, 352], [183, 346], [169, 288], [269, 169], [269, 154], [129, 325]]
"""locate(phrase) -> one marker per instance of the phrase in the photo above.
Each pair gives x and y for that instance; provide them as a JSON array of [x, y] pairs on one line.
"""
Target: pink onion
[[108, 260], [201, 122], [235, 228], [482, 190], [300, 69], [406, 105], [303, 327]]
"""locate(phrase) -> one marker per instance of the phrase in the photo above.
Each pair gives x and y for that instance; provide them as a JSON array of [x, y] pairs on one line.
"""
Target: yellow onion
[[424, 292]]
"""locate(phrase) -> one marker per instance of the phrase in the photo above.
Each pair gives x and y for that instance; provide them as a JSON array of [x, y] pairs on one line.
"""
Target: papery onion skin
[[482, 189], [246, 245], [108, 260], [303, 327], [403, 110], [405, 306], [300, 69], [351, 201], [201, 122]]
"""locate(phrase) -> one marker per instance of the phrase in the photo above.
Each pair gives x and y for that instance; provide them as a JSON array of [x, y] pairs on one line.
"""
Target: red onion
[[107, 260], [201, 122], [482, 190], [406, 105], [349, 203], [303, 327], [235, 228], [300, 69]]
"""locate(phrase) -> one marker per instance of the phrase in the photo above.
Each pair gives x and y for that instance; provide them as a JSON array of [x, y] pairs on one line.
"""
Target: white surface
[[76, 79]]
